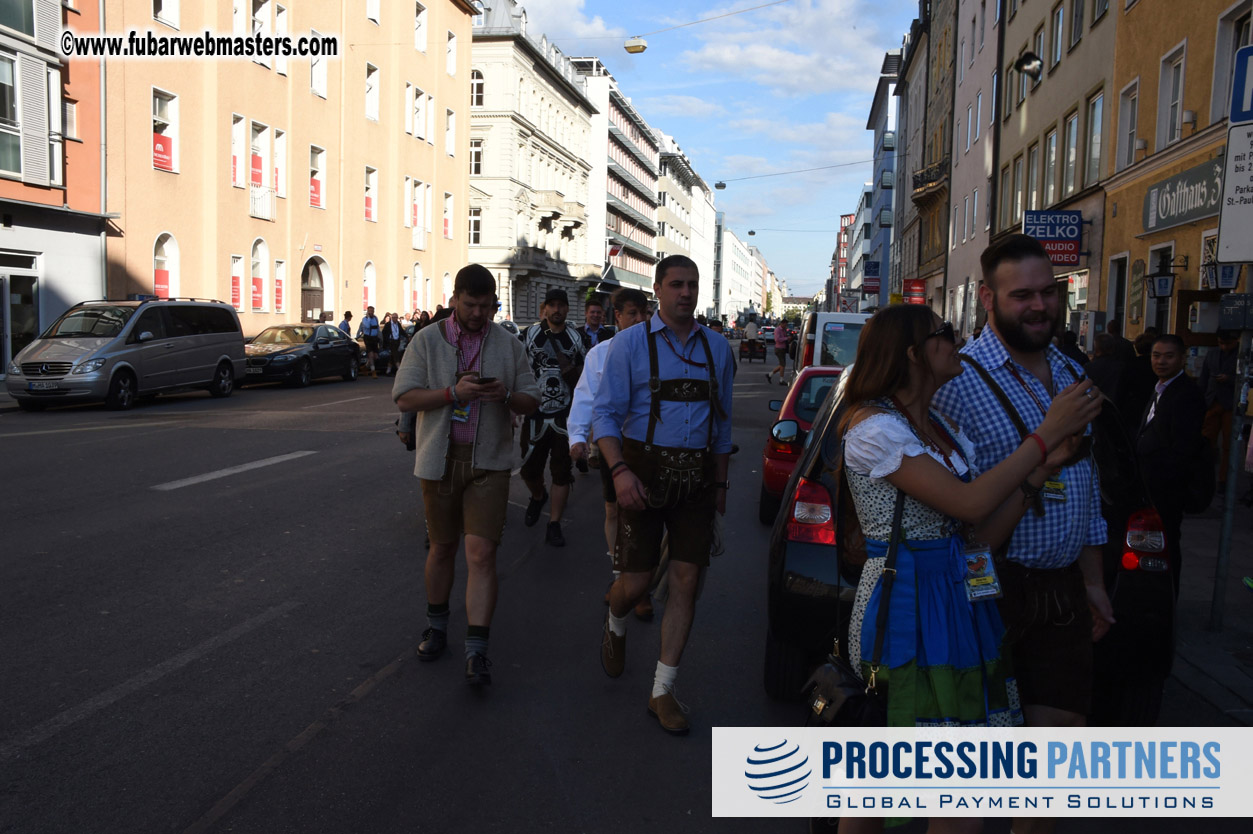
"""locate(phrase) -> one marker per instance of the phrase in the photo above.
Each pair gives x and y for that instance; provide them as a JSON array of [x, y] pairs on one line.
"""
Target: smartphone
[[485, 380]]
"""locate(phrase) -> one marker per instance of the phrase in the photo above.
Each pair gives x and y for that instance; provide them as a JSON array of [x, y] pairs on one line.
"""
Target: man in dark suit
[[594, 330], [1168, 443]]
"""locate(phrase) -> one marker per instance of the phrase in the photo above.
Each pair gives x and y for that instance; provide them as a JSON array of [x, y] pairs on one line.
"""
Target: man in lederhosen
[[664, 431]]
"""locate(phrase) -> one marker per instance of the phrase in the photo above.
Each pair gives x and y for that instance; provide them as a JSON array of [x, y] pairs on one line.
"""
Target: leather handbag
[[836, 693]]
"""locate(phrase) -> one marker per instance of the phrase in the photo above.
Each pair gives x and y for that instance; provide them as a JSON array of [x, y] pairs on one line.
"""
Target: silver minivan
[[116, 351]]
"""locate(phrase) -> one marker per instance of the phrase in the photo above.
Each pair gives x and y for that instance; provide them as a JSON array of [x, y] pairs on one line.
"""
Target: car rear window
[[814, 390], [839, 343]]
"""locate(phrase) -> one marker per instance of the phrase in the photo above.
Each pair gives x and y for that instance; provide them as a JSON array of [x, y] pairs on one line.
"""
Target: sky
[[776, 89]]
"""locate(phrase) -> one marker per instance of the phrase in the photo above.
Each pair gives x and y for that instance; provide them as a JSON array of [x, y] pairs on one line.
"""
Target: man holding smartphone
[[465, 378]]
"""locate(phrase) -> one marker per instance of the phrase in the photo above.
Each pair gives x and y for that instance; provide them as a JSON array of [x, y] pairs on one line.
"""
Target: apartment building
[[911, 99], [1170, 97], [294, 188], [882, 123], [625, 158], [932, 182], [734, 274], [529, 165], [685, 215], [859, 234], [52, 218], [1054, 130], [974, 114]]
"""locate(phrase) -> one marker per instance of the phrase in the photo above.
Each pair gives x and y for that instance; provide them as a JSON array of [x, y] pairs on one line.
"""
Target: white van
[[119, 350], [829, 339]]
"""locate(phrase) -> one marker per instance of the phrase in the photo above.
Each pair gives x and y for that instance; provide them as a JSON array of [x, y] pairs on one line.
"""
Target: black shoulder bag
[[836, 693]]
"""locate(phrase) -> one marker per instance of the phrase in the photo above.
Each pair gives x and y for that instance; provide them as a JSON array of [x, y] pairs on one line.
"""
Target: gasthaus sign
[[1060, 232], [1191, 195]]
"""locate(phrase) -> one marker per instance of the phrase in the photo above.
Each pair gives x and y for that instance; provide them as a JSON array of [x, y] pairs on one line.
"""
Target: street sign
[[1235, 213], [1228, 276], [1242, 87], [1060, 232]]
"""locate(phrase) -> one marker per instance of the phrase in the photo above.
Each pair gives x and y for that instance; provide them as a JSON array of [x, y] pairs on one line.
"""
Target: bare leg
[[560, 495], [440, 569], [611, 525], [626, 591], [481, 580], [680, 611]]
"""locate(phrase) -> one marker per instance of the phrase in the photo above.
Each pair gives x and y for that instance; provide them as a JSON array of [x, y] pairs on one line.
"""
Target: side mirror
[[775, 405], [786, 431], [146, 336], [322, 341]]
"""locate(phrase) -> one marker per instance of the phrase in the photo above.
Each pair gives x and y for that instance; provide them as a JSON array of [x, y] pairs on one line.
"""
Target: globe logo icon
[[778, 773]]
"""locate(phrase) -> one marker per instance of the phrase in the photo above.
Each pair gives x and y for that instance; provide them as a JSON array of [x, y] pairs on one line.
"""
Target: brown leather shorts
[[681, 501], [465, 500]]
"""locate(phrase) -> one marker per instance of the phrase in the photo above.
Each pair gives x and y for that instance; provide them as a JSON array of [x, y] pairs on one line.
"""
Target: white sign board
[[1235, 214]]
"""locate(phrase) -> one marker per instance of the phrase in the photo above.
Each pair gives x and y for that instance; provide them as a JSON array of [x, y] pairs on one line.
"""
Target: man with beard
[[465, 379], [1054, 602], [556, 354]]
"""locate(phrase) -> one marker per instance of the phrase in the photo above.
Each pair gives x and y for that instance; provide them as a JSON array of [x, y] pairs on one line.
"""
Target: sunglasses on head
[[944, 331]]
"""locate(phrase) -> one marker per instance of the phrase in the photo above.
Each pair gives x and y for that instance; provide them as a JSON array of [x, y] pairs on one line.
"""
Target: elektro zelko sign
[[1060, 232]]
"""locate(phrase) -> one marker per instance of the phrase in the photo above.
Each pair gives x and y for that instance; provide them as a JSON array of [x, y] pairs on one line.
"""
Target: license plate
[[253, 370], [41, 386]]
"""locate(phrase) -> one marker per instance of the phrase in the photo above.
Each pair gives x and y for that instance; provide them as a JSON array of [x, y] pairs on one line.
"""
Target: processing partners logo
[[778, 773]]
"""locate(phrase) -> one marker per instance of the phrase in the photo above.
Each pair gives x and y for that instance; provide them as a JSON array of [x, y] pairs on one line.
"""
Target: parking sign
[[1242, 87]]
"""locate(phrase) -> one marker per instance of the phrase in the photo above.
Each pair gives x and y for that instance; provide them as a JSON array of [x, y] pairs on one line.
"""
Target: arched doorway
[[315, 275]]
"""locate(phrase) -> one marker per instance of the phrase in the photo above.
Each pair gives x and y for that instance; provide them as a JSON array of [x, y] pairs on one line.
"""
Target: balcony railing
[[931, 175], [261, 202], [888, 180]]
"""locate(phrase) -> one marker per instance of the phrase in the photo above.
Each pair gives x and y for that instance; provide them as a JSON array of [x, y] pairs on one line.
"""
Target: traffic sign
[[1235, 214], [1242, 87]]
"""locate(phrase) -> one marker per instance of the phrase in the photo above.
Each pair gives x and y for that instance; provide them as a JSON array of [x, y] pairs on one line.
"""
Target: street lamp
[[1030, 64], [721, 186], [635, 45]]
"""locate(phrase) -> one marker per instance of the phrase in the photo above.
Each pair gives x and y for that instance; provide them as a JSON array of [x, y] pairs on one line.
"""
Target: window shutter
[[69, 119], [48, 23], [32, 79]]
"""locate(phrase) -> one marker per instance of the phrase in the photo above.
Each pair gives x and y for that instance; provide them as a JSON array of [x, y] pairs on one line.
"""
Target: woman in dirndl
[[941, 659]]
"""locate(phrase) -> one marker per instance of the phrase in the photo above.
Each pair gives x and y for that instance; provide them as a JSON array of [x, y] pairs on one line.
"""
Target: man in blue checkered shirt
[[1054, 603]]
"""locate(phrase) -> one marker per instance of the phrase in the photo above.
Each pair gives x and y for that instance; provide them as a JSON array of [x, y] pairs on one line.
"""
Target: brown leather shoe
[[644, 610], [612, 652], [669, 714]]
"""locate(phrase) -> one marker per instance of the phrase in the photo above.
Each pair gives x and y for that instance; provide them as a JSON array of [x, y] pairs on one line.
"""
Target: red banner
[[315, 192], [256, 292], [369, 207], [235, 291], [256, 169], [234, 169], [915, 290], [161, 282], [162, 152], [365, 298], [278, 294]]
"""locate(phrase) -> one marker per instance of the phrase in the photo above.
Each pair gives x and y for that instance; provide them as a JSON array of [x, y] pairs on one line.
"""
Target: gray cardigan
[[431, 362]]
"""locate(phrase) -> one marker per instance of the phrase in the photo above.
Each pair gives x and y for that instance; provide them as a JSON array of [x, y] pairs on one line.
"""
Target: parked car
[[297, 354], [811, 589], [801, 405], [116, 351]]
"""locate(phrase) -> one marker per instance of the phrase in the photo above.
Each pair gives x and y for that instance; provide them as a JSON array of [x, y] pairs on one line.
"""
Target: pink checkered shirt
[[469, 358]]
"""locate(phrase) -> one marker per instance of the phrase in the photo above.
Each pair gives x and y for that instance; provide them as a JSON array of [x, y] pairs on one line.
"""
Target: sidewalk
[[7, 403]]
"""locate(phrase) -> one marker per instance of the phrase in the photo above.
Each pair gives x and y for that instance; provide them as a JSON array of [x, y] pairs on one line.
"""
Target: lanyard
[[925, 438], [680, 356], [1027, 388], [462, 363]]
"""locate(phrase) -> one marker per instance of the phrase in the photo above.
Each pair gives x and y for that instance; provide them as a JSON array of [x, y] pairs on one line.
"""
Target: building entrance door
[[21, 314], [311, 293]]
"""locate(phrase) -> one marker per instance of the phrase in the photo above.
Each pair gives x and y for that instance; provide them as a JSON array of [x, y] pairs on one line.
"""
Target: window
[[1009, 91], [317, 71], [1233, 33], [418, 213], [415, 117], [261, 26], [69, 119], [369, 278], [965, 218], [970, 124], [165, 11], [1050, 168], [983, 18], [1092, 167], [1099, 8], [974, 212], [237, 280], [952, 229], [992, 101], [1059, 32], [1170, 99], [1023, 78], [280, 163], [450, 55], [1038, 48], [1128, 113], [1076, 21], [1071, 159], [448, 215], [1033, 177], [476, 157], [164, 130], [237, 151], [479, 17], [476, 228], [1017, 216], [372, 11], [978, 113], [450, 133], [476, 88], [281, 28], [260, 273], [961, 63], [419, 27], [280, 284], [1005, 195], [317, 184], [165, 266], [260, 198], [372, 92], [371, 194]]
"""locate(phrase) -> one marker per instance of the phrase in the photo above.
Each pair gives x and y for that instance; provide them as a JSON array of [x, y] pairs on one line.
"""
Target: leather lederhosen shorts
[[465, 500], [681, 500]]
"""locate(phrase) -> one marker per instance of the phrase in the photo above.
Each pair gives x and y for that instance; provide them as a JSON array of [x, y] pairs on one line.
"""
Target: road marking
[[337, 402], [57, 723], [88, 428], [234, 470]]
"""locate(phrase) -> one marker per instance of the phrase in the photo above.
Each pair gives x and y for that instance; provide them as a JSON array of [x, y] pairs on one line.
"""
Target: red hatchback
[[787, 436]]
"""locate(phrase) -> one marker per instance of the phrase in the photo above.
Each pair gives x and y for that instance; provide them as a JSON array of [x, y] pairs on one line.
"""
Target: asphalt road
[[185, 653]]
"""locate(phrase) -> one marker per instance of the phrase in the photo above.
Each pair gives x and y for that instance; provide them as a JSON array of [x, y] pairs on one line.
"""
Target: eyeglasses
[[944, 331]]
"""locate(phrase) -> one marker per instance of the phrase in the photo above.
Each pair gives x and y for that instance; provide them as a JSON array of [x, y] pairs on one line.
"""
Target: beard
[[1016, 336]]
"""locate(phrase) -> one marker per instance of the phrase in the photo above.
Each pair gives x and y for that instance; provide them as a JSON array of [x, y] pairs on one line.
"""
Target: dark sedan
[[297, 354]]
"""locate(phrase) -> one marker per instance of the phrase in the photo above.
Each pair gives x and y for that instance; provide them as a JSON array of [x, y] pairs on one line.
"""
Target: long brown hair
[[882, 365]]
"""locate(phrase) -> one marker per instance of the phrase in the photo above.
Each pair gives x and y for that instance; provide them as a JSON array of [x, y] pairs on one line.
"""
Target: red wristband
[[1044, 450], [448, 397]]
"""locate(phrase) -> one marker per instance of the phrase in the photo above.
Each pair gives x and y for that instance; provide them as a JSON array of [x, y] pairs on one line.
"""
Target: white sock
[[617, 625], [663, 680]]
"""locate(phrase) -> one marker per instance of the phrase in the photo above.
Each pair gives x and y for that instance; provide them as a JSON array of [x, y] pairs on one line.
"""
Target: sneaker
[[783, 382], [554, 536], [769, 377], [612, 652], [669, 713], [476, 670], [644, 610], [433, 643], [533, 508]]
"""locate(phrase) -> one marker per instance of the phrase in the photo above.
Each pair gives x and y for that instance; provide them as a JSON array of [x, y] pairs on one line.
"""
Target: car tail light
[[1145, 537], [808, 359], [811, 518], [779, 450]]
